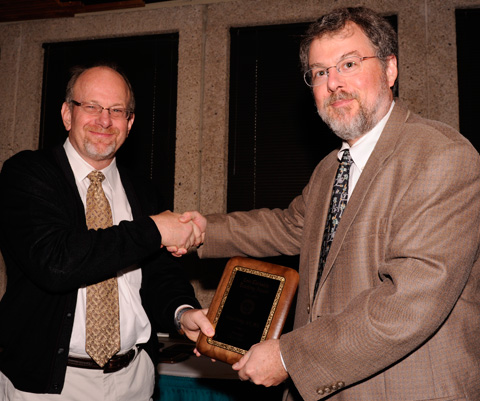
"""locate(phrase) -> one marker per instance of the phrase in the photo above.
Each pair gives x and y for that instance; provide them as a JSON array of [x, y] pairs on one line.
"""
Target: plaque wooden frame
[[277, 286]]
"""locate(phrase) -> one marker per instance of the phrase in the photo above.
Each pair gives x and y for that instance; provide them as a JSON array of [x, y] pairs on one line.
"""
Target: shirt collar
[[363, 148], [81, 168]]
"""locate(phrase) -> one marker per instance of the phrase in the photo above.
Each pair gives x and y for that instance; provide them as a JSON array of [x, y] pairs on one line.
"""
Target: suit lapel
[[320, 198], [382, 151], [62, 162]]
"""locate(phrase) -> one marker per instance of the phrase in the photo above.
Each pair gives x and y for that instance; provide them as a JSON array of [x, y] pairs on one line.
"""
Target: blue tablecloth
[[174, 388]]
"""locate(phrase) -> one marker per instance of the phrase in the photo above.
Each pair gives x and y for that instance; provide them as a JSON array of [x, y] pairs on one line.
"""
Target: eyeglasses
[[347, 66], [95, 109]]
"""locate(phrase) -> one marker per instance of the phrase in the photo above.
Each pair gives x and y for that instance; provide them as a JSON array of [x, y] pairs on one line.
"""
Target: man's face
[[351, 105], [97, 137]]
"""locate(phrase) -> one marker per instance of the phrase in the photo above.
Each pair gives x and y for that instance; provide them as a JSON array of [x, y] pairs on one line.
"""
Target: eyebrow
[[345, 55], [99, 103]]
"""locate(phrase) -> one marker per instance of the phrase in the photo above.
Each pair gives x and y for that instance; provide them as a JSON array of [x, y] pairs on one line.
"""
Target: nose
[[104, 119], [334, 80]]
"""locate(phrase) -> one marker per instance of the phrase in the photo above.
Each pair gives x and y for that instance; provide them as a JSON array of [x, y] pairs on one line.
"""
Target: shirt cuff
[[283, 362], [178, 315]]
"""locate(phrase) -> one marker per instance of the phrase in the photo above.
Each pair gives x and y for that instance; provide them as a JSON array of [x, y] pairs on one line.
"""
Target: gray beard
[[363, 122], [360, 124], [95, 155]]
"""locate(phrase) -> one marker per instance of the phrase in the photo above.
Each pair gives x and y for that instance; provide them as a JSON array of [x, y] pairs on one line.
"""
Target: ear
[[392, 70], [130, 123], [66, 116]]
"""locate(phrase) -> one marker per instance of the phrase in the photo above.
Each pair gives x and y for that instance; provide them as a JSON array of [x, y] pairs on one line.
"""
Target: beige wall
[[427, 62]]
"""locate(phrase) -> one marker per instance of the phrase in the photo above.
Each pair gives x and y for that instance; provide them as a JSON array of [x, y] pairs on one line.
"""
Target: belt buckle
[[108, 368], [114, 365]]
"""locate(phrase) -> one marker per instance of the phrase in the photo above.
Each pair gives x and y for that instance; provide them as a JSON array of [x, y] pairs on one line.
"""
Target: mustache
[[335, 97], [101, 130]]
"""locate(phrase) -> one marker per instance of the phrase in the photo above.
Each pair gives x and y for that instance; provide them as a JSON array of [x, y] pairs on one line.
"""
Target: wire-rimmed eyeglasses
[[95, 109], [346, 66]]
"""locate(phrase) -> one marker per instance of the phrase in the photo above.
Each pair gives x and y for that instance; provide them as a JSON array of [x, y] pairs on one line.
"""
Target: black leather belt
[[113, 365]]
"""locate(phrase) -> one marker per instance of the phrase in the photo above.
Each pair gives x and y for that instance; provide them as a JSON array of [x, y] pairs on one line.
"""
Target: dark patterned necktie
[[102, 320], [337, 206]]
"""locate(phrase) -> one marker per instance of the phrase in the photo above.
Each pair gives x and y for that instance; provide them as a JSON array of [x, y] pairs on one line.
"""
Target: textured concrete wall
[[427, 64]]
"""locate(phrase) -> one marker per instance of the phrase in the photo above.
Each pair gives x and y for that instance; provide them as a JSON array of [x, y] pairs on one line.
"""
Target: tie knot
[[96, 176], [346, 158]]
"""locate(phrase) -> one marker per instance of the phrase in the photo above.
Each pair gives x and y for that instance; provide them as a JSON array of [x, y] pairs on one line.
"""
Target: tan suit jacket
[[397, 315]]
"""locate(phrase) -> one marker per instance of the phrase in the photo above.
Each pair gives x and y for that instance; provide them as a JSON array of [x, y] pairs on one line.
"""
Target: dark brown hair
[[377, 29]]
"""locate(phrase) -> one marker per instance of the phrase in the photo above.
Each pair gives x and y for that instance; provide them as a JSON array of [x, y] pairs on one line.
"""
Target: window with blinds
[[276, 137], [468, 59]]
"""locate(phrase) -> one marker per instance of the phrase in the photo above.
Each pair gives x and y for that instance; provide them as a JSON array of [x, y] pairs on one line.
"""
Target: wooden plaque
[[250, 305]]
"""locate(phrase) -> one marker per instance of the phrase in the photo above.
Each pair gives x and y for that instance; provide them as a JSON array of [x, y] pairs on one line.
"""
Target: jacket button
[[340, 385], [320, 391], [308, 309], [60, 351]]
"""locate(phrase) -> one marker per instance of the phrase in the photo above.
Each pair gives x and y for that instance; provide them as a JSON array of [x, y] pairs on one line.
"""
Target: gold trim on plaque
[[281, 284]]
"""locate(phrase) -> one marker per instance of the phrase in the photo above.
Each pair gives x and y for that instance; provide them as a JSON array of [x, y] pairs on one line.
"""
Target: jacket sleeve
[[264, 232], [165, 286], [256, 233]]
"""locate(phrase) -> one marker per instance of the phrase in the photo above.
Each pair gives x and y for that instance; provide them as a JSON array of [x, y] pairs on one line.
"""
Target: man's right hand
[[199, 221], [178, 233]]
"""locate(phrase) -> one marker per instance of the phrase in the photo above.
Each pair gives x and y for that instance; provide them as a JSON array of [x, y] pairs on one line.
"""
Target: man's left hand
[[195, 321], [262, 364]]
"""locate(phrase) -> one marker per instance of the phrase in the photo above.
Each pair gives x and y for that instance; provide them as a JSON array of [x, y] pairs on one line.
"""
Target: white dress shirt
[[134, 324]]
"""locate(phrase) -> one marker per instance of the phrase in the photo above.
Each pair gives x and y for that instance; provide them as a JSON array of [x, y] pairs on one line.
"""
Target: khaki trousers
[[135, 382]]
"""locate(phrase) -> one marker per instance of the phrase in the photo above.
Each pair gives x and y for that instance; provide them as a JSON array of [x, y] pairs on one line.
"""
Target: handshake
[[180, 232]]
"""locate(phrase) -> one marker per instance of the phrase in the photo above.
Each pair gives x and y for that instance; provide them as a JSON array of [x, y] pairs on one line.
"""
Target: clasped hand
[[180, 232]]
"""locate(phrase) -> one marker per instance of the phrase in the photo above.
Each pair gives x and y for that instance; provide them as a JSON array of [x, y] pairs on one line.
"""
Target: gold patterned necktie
[[102, 320]]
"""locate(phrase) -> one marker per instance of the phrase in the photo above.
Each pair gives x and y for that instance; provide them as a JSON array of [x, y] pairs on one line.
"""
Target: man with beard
[[88, 288], [388, 304]]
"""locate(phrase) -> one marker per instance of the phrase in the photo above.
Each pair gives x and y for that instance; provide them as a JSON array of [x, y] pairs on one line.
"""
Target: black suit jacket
[[50, 253]]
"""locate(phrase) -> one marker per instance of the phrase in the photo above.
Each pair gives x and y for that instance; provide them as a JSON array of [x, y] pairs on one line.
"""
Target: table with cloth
[[200, 379]]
